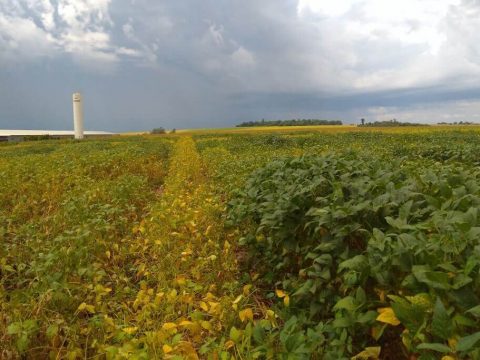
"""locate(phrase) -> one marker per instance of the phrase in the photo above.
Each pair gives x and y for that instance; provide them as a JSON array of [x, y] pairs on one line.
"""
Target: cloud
[[32, 29], [450, 111], [243, 57], [144, 51], [219, 62], [21, 38], [214, 35], [378, 45]]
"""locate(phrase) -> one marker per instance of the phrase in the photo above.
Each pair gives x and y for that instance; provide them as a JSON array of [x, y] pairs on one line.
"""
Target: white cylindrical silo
[[78, 115]]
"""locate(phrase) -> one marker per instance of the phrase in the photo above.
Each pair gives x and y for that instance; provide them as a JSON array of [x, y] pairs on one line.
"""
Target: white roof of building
[[48, 132]]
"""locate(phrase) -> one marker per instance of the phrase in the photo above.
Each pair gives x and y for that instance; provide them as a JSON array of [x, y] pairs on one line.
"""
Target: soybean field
[[300, 243]]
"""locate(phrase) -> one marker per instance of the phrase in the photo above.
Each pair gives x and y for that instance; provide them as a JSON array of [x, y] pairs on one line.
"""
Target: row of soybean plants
[[369, 245], [68, 214]]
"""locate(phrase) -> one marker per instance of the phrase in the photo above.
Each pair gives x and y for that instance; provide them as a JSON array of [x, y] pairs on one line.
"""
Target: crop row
[[68, 214], [366, 242]]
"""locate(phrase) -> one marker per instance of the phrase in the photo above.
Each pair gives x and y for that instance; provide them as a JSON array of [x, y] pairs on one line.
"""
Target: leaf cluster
[[346, 237]]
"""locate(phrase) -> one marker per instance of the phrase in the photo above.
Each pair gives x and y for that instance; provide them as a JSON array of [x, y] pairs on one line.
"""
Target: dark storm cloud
[[386, 98], [142, 64]]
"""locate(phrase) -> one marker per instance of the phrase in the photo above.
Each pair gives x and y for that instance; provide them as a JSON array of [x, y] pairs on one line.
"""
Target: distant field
[[318, 242], [333, 128]]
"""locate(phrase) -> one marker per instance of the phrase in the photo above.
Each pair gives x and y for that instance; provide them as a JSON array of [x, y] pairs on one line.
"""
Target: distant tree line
[[457, 123], [293, 122], [161, 130], [388, 123]]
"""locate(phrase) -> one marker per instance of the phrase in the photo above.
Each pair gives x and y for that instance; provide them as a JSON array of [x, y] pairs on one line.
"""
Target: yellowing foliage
[[160, 284], [386, 315], [246, 314], [120, 249]]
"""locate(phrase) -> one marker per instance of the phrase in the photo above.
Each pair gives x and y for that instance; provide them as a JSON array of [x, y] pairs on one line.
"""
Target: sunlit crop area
[[309, 243]]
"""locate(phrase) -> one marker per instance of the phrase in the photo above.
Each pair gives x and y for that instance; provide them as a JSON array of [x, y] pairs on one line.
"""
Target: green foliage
[[391, 123], [294, 122], [159, 130], [338, 233], [342, 244]]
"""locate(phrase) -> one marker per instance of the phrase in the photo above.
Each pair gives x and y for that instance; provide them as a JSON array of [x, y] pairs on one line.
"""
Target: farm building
[[19, 135]]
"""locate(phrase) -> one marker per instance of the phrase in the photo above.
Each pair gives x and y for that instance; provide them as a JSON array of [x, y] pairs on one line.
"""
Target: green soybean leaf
[[468, 342], [475, 311], [435, 347], [441, 323]]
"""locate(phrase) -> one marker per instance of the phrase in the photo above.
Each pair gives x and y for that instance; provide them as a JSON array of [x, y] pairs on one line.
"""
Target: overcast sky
[[214, 63]]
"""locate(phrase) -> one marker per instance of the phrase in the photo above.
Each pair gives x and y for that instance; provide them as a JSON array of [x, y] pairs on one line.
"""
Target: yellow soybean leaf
[[237, 300], [185, 323], [447, 357], [387, 316], [245, 315], [370, 353], [203, 306], [181, 280], [208, 230], [452, 342], [130, 330], [167, 349], [169, 326], [85, 307], [280, 293], [229, 344], [194, 328], [215, 307], [108, 320], [206, 325], [246, 289], [187, 350], [286, 300]]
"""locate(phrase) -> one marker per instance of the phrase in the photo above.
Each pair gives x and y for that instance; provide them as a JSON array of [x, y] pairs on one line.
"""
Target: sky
[[142, 64]]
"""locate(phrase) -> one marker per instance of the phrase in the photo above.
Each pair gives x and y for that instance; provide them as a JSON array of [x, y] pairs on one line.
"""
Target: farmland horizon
[[349, 126]]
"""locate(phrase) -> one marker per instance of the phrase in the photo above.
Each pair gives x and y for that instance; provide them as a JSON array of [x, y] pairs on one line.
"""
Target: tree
[[363, 121], [159, 130]]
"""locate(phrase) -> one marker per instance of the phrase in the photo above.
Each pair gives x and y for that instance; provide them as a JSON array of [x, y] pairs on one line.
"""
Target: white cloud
[[243, 57], [21, 39], [45, 11], [30, 29], [128, 30], [378, 44], [85, 26], [79, 15], [214, 35], [325, 7], [318, 45], [145, 51], [447, 111]]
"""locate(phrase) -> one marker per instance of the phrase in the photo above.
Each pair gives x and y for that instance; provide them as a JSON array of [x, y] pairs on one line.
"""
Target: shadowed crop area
[[243, 244]]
